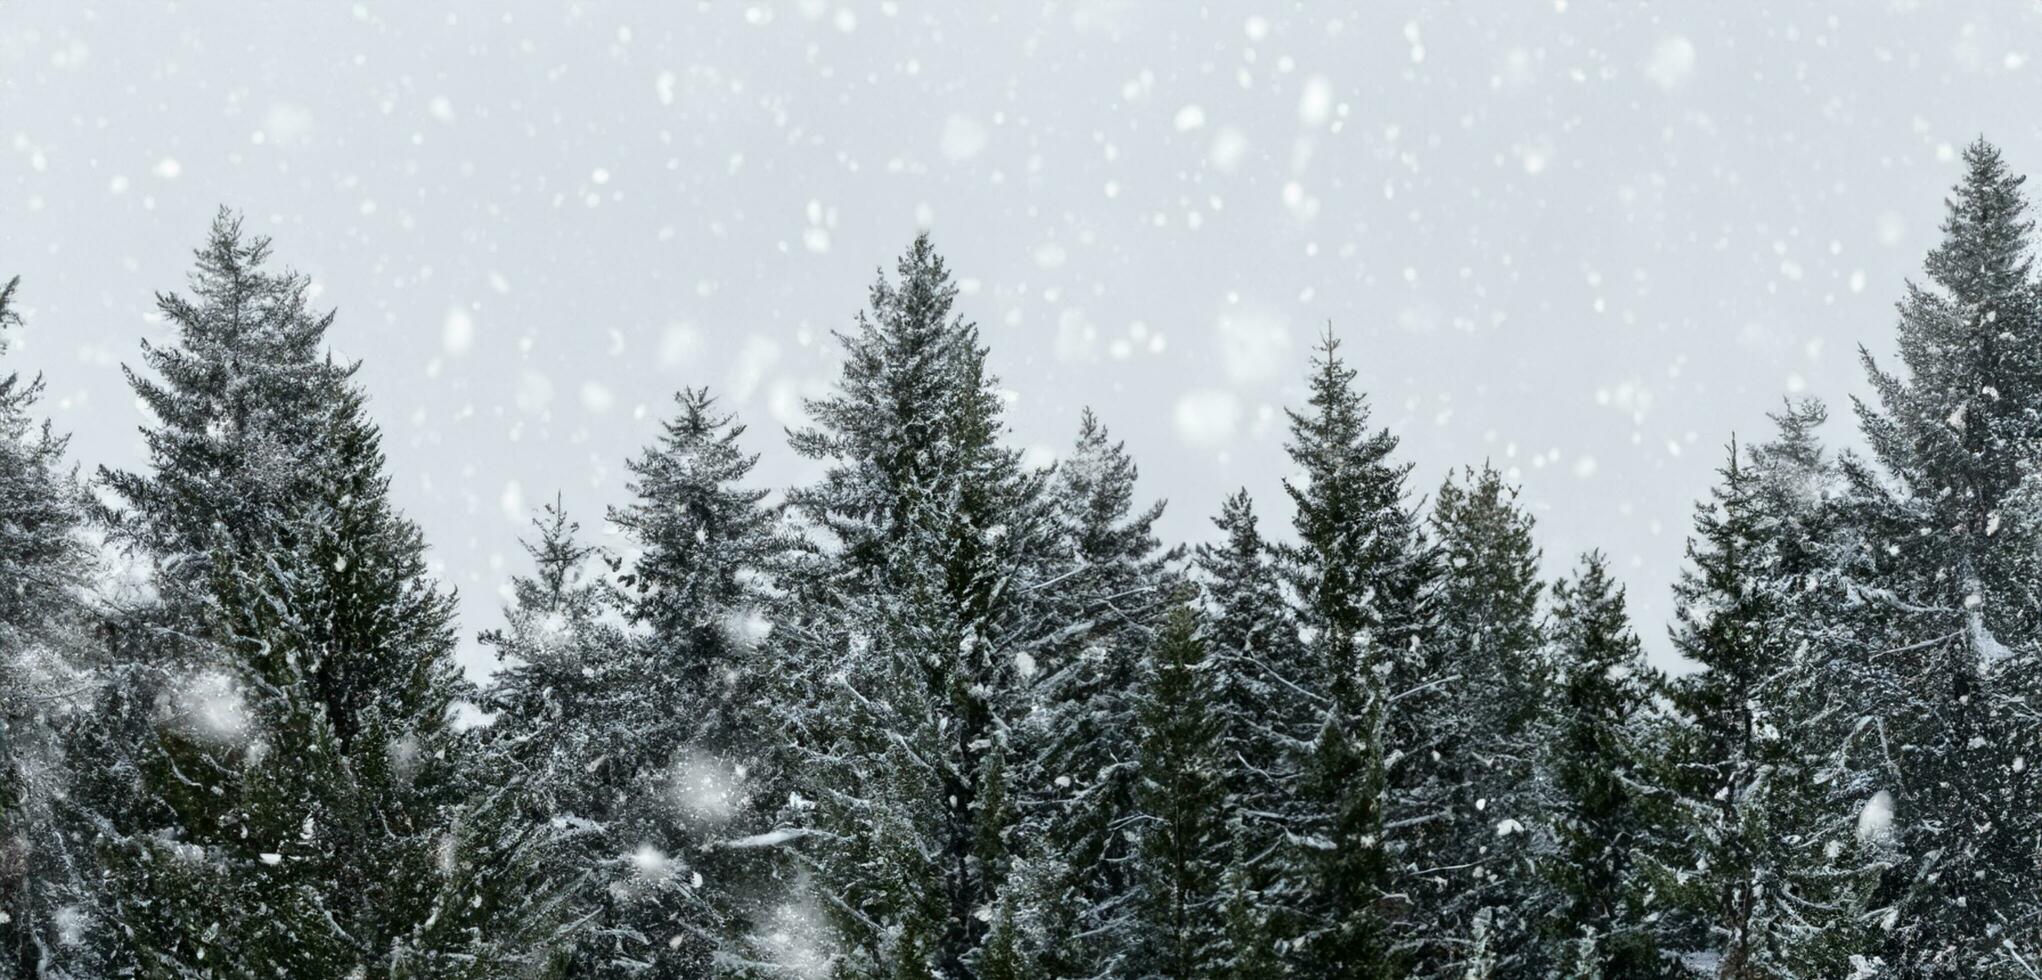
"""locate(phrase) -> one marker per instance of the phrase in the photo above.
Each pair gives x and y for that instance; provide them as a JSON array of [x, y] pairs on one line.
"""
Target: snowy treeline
[[943, 714]]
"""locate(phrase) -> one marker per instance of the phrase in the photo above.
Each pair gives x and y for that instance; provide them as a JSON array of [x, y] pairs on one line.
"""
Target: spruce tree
[[914, 623], [1493, 672], [1184, 847], [565, 711], [308, 812], [46, 658], [1263, 685], [1956, 439], [702, 591], [1594, 812], [1366, 582], [1761, 851], [1105, 593]]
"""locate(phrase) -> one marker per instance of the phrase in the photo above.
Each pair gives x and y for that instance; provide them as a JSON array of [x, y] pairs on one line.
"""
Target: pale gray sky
[[1585, 240]]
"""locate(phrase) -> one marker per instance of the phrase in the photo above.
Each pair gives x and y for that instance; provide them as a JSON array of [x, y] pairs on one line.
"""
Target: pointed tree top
[[1983, 254]]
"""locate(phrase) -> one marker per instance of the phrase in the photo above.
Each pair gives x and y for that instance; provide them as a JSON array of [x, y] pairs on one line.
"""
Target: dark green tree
[[1760, 853], [1956, 439], [1493, 674], [1184, 846], [1596, 809], [47, 904], [308, 810], [912, 628], [1108, 587], [1367, 588]]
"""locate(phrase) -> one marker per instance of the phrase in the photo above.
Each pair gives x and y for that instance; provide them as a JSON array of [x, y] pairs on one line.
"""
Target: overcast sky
[[1584, 240]]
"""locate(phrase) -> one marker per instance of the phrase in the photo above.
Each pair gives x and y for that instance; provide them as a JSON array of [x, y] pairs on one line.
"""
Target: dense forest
[[946, 714]]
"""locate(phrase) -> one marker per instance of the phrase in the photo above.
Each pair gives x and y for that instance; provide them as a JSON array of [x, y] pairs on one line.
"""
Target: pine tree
[[308, 812], [242, 403], [1105, 593], [912, 627], [702, 588], [701, 583], [45, 661], [1761, 850], [1493, 673], [566, 710], [1182, 858], [1594, 812], [1248, 949], [1261, 677], [1954, 581], [1367, 586]]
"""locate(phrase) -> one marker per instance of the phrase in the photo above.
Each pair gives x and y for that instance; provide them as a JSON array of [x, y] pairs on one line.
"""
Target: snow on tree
[[1953, 581], [306, 805], [565, 703], [1594, 809], [1366, 584], [46, 663], [917, 616], [1758, 853], [1476, 902], [701, 588], [1264, 692], [1105, 592], [1184, 848]]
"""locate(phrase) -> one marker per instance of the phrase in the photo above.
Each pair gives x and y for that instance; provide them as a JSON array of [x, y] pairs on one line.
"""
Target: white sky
[[1585, 240]]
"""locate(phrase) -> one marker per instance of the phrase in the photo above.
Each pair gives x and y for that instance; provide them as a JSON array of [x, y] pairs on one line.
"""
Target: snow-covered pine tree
[[306, 810], [1103, 599], [1492, 662], [1177, 927], [701, 589], [1366, 582], [239, 401], [46, 899], [564, 736], [1264, 692], [1759, 855], [1593, 813], [1957, 441], [1248, 942], [910, 617]]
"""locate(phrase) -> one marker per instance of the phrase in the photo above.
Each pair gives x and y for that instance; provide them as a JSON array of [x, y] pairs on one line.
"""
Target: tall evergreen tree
[[1494, 677], [1759, 851], [1594, 813], [1107, 588], [566, 703], [46, 903], [1366, 582], [917, 611], [702, 589], [1265, 695], [1955, 581], [1262, 668], [1184, 851], [307, 810]]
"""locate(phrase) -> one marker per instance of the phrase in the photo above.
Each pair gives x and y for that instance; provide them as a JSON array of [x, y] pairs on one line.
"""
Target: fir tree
[[308, 812], [1261, 684], [1594, 813], [1493, 673], [1367, 586], [563, 738], [1182, 859], [702, 587], [1104, 597], [46, 902], [1953, 580], [1761, 851], [915, 616]]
